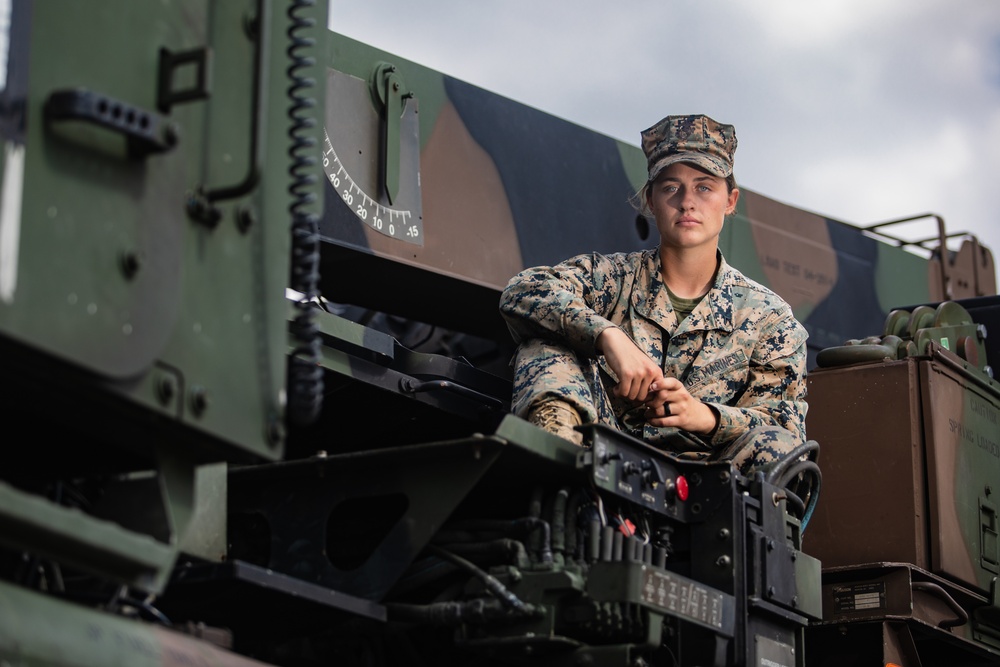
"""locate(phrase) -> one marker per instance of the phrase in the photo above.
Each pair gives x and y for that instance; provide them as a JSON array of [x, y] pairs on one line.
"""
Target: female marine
[[671, 345]]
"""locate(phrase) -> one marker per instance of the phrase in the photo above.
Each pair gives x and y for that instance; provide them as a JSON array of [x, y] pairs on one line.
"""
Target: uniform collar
[[714, 312]]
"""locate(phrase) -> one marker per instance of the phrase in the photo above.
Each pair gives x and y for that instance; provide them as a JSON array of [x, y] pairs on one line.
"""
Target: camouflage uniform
[[741, 351]]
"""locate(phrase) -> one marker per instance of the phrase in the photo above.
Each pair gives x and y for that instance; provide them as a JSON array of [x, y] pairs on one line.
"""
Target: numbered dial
[[371, 154], [397, 223]]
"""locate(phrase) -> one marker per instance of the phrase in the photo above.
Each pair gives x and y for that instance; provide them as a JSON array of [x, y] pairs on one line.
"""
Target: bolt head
[[130, 262], [199, 400], [245, 219], [166, 389]]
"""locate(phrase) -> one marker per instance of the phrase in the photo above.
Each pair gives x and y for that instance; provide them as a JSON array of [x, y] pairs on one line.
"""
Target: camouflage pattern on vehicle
[[505, 187], [255, 386]]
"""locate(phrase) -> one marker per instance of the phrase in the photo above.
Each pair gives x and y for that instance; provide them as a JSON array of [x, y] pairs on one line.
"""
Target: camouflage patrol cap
[[696, 139]]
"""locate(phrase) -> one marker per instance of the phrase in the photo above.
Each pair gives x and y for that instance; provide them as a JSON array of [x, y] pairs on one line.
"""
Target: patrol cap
[[696, 139]]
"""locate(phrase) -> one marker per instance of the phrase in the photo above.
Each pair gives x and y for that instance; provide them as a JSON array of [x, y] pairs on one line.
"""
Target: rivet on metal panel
[[202, 211], [275, 431], [199, 400], [245, 219], [130, 262], [166, 389]]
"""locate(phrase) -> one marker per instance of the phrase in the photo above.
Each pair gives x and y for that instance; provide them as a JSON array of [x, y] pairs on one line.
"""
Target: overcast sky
[[860, 110]]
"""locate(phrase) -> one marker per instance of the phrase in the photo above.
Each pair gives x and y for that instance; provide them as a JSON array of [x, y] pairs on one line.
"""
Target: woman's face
[[689, 206]]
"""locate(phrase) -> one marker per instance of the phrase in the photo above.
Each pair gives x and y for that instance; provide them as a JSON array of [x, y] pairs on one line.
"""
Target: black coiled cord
[[785, 473], [305, 376]]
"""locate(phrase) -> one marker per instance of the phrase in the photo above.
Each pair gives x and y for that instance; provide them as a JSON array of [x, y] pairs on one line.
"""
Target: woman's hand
[[635, 370], [668, 403]]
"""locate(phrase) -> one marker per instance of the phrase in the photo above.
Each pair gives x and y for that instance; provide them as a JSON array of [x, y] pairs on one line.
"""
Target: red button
[[682, 487]]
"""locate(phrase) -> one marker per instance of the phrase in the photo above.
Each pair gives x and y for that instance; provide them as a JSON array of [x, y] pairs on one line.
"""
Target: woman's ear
[[734, 197]]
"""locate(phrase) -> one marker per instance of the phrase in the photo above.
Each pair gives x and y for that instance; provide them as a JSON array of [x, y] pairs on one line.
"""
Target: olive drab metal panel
[[320, 467], [137, 243]]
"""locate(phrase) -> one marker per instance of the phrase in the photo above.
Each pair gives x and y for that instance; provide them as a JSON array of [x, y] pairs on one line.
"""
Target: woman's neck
[[688, 272]]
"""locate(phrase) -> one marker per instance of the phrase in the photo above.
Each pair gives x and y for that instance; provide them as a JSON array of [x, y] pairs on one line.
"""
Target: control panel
[[649, 477]]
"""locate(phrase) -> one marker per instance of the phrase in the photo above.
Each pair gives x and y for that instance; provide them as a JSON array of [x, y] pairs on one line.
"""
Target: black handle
[[146, 131]]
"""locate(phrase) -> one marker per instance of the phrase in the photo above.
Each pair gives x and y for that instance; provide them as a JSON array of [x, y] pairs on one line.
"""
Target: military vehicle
[[257, 392]]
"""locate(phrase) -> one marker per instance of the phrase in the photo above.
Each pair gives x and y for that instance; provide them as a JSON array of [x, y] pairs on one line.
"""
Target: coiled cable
[[785, 473], [305, 376]]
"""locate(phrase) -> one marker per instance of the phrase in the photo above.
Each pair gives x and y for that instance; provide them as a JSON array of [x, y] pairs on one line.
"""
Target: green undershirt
[[682, 307]]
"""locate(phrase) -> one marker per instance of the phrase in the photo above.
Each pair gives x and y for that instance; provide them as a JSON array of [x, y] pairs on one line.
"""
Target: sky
[[859, 110]]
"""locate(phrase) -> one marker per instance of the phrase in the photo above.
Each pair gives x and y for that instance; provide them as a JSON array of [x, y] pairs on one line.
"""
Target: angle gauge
[[371, 152]]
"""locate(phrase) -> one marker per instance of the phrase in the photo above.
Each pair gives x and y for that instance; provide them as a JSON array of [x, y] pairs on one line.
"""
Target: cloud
[[860, 110]]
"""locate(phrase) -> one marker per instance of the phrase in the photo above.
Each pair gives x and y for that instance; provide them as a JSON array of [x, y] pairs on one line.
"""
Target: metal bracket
[[986, 619], [391, 94], [989, 547], [202, 204], [170, 62]]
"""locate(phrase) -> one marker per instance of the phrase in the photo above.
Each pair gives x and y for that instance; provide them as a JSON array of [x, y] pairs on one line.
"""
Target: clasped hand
[[640, 379]]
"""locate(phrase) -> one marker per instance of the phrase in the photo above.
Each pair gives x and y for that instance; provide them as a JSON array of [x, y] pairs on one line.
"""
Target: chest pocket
[[733, 365]]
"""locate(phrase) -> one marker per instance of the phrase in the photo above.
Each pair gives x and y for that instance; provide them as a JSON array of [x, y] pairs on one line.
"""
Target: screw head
[[199, 400], [166, 389], [245, 219], [130, 262], [171, 134], [275, 434]]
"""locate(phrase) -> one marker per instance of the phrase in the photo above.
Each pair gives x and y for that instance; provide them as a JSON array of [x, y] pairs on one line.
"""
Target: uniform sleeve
[[569, 302], [776, 385]]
